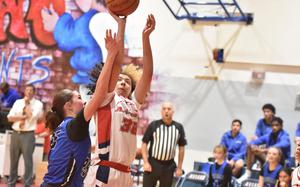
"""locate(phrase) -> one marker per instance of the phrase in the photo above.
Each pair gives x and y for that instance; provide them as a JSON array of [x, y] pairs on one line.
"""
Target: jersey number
[[129, 126]]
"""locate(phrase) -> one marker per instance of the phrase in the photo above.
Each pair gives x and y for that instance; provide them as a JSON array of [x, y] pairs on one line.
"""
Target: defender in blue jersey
[[270, 171], [236, 144], [69, 119], [69, 156]]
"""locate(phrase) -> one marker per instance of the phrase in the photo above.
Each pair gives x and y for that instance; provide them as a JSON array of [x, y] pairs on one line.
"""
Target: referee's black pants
[[162, 171]]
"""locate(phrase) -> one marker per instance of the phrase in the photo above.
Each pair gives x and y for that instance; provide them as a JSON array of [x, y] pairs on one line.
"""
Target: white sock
[[248, 172]]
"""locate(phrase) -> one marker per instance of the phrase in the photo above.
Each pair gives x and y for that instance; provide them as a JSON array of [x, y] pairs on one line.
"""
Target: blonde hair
[[221, 147], [133, 72], [280, 154]]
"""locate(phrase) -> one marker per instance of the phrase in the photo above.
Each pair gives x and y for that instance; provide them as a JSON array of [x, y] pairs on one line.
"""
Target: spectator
[[285, 178], [7, 98], [220, 171], [236, 144], [24, 115], [296, 172], [278, 138], [270, 171], [8, 95], [42, 131], [263, 126], [297, 135], [159, 164]]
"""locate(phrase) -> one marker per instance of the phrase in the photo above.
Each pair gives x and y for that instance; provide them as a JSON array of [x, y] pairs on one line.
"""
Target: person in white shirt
[[24, 115], [296, 172]]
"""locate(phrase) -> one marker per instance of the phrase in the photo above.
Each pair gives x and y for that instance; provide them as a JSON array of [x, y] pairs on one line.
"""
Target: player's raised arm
[[143, 84]]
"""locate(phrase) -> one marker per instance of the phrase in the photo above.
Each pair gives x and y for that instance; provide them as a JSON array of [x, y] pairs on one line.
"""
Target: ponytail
[[57, 113], [52, 120]]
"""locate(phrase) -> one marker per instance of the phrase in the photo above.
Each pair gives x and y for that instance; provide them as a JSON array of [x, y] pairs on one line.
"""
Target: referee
[[163, 135]]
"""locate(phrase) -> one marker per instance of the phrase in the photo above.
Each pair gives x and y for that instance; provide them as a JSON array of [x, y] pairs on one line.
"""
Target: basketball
[[122, 7]]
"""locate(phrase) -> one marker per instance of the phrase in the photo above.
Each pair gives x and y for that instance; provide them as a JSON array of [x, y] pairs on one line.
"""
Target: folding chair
[[250, 183], [194, 179], [202, 166]]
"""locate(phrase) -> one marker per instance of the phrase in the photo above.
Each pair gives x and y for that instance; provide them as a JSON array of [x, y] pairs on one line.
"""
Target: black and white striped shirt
[[164, 139]]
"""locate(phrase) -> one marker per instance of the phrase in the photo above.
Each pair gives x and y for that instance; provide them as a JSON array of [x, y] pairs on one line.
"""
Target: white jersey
[[116, 126], [296, 177]]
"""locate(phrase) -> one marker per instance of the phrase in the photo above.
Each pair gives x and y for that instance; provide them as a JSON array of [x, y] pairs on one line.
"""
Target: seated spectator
[[220, 171], [270, 171], [296, 172], [297, 135], [7, 98], [8, 95], [236, 144], [43, 132], [277, 138], [263, 125], [285, 177]]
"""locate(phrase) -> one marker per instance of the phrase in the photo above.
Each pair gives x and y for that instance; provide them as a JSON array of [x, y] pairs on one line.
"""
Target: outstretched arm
[[120, 57], [101, 89], [143, 84]]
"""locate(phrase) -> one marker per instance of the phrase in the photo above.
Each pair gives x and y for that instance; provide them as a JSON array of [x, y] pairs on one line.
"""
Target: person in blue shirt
[[236, 144], [263, 125], [69, 156], [297, 134], [278, 138], [270, 170], [8, 95]]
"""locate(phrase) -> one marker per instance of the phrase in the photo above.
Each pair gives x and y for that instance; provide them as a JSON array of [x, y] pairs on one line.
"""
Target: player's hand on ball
[[119, 20]]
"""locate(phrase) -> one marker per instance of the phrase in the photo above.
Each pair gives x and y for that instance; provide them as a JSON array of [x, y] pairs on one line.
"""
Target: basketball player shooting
[[117, 118]]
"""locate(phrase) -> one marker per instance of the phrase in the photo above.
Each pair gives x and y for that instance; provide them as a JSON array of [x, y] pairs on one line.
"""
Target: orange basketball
[[122, 7]]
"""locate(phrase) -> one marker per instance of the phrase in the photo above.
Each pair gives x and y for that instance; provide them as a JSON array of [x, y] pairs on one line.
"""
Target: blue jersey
[[68, 160], [236, 146], [298, 130], [9, 98], [262, 128], [282, 142], [270, 177], [218, 174]]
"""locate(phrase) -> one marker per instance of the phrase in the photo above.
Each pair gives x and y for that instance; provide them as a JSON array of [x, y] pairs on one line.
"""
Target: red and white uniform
[[116, 126], [296, 177]]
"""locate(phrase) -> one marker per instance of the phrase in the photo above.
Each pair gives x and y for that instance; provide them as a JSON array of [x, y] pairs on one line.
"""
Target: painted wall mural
[[28, 52], [53, 44]]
